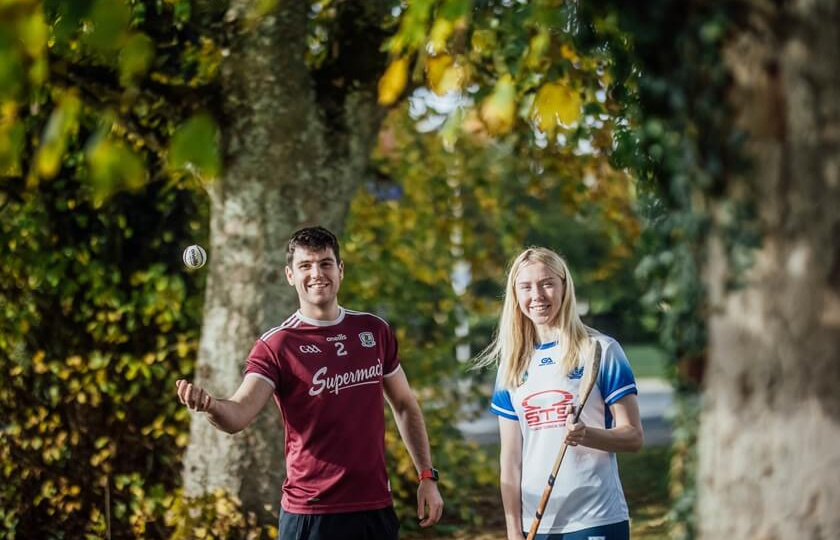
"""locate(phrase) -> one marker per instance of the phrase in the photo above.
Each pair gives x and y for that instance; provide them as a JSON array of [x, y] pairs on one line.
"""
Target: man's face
[[316, 276]]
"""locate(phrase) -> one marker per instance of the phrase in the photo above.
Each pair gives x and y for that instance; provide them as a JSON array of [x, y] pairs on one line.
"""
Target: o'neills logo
[[342, 381]]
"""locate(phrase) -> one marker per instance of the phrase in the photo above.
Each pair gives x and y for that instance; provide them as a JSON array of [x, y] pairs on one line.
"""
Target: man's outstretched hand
[[194, 397]]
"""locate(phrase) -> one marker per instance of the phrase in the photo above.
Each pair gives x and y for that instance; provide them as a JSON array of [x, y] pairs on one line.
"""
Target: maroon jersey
[[328, 382]]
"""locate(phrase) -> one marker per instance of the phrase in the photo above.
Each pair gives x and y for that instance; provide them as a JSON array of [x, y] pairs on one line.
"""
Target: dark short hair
[[314, 238]]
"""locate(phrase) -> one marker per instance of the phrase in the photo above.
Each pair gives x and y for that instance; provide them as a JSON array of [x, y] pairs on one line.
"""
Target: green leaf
[[194, 147], [113, 168], [63, 123], [11, 74], [11, 145], [135, 58], [110, 20], [32, 32]]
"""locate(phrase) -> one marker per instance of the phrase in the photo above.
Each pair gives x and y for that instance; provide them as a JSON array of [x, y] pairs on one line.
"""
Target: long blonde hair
[[516, 337]]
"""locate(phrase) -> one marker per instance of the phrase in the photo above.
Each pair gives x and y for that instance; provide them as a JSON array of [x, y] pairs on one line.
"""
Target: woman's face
[[539, 293]]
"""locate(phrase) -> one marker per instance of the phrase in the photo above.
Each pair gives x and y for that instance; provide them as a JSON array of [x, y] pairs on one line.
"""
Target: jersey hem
[[578, 526], [336, 508]]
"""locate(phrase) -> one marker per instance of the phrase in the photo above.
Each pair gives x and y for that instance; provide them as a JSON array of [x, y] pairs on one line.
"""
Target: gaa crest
[[367, 339]]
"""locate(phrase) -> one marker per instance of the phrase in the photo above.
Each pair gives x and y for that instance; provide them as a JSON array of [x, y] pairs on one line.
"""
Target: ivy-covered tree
[[244, 98]]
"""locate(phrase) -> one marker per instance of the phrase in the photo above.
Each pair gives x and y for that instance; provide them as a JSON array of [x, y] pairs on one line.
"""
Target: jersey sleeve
[[615, 380], [501, 403], [262, 363], [391, 362]]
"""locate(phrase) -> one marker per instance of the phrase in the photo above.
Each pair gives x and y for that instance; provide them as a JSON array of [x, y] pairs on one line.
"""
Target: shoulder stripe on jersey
[[393, 372], [263, 377], [619, 391], [291, 322], [495, 409], [352, 312]]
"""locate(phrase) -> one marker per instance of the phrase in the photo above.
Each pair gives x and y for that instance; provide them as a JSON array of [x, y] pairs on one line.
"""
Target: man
[[328, 368]]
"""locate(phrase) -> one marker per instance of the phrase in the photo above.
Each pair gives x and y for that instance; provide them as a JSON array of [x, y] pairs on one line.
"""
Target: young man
[[330, 370]]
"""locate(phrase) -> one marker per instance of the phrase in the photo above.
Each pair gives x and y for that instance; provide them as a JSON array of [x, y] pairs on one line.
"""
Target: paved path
[[655, 402]]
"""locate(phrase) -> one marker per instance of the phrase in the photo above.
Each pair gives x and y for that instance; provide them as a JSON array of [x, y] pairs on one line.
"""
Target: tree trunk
[[770, 425], [289, 161]]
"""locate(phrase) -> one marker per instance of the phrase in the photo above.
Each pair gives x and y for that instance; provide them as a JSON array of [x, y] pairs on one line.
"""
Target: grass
[[645, 480], [644, 476], [647, 360]]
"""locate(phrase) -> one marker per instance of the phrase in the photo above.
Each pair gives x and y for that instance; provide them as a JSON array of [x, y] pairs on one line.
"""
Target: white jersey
[[587, 491]]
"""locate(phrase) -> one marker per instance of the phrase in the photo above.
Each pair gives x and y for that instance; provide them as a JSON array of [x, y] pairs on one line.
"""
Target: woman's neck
[[546, 333]]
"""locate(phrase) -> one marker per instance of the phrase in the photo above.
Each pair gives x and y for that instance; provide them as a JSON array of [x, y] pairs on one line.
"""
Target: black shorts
[[366, 525]]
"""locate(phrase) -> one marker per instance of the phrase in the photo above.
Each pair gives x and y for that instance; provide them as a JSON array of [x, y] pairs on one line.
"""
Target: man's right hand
[[194, 397]]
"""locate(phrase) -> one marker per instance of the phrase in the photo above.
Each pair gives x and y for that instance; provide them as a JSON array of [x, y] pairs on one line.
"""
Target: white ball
[[195, 256]]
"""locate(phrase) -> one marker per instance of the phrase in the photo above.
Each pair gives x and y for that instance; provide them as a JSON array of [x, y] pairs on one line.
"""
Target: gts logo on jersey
[[546, 361], [311, 349], [546, 409]]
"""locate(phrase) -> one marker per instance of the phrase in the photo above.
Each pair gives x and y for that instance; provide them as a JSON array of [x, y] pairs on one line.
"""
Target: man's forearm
[[412, 429], [224, 415]]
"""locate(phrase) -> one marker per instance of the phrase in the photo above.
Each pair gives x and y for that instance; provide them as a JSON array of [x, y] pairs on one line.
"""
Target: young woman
[[540, 348]]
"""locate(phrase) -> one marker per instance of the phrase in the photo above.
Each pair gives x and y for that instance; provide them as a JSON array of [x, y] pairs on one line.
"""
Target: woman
[[540, 349]]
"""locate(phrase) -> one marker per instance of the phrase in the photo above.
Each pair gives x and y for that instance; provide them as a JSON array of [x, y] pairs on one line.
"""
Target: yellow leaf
[[483, 41], [569, 53], [445, 75], [498, 110], [537, 48], [393, 81], [441, 31], [556, 105], [436, 66]]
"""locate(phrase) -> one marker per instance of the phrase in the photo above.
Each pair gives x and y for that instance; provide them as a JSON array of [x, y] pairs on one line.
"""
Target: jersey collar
[[317, 322]]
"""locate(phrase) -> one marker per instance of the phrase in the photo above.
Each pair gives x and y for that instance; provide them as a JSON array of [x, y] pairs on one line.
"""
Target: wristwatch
[[431, 474]]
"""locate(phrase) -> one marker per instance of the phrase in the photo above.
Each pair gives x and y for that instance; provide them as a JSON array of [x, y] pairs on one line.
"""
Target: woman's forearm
[[512, 501], [618, 439]]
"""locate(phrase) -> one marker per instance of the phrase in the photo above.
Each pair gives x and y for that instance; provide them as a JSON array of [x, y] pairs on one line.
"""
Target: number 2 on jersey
[[339, 349]]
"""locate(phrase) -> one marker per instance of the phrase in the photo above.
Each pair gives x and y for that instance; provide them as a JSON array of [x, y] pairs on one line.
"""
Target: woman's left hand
[[575, 433]]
